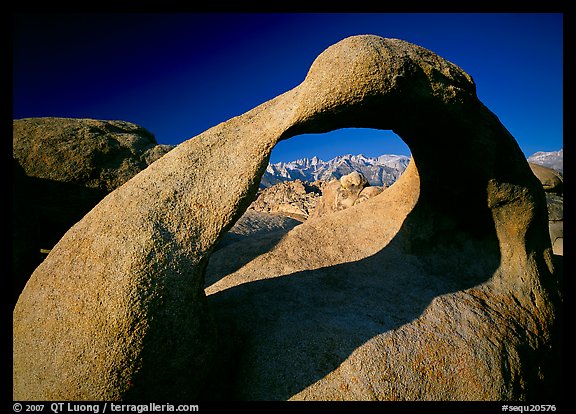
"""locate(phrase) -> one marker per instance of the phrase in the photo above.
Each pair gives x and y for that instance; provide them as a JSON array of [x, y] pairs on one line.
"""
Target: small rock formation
[[70, 165], [551, 180], [553, 184], [368, 192], [338, 195], [433, 290], [294, 199], [556, 222]]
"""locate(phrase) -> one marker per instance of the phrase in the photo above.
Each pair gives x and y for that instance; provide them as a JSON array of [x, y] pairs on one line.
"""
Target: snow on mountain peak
[[382, 170], [552, 159]]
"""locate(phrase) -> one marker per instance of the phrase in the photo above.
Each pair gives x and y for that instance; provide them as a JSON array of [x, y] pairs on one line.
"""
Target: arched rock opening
[[117, 310]]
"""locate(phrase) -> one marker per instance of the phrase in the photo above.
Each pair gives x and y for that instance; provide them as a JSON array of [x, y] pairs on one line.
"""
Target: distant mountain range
[[553, 159], [381, 171]]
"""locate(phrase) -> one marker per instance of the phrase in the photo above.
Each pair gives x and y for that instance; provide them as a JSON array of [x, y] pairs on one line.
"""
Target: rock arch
[[117, 310]]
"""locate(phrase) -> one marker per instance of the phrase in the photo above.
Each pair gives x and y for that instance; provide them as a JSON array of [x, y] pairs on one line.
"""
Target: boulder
[[368, 192], [351, 185], [551, 180], [89, 153], [340, 194], [464, 308], [295, 199], [553, 183], [70, 165], [353, 182], [555, 204]]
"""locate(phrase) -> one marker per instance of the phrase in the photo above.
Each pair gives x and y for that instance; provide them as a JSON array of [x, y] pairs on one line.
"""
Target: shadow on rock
[[296, 329], [42, 211], [259, 244]]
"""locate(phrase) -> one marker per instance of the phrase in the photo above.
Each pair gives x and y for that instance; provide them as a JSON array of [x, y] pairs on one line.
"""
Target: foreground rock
[[468, 306], [70, 165]]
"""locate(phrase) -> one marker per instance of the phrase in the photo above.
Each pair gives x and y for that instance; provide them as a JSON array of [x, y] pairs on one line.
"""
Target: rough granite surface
[[432, 290]]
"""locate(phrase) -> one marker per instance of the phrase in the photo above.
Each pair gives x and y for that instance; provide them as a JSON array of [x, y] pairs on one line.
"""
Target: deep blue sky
[[180, 74]]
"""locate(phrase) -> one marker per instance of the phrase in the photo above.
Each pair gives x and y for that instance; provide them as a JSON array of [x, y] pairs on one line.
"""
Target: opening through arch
[[366, 141], [304, 301]]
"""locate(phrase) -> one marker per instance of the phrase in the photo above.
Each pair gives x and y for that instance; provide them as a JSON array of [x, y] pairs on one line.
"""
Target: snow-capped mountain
[[382, 170], [553, 159]]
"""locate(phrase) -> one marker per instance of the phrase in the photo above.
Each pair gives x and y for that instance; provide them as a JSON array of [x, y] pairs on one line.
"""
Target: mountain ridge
[[382, 170], [379, 171], [550, 159]]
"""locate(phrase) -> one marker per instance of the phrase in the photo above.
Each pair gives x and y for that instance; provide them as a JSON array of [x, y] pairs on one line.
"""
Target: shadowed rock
[[90, 153], [118, 310], [553, 185], [70, 165], [254, 222]]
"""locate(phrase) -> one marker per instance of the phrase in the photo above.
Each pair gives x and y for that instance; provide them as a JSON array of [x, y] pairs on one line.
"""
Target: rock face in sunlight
[[338, 195], [295, 199], [435, 289], [551, 180]]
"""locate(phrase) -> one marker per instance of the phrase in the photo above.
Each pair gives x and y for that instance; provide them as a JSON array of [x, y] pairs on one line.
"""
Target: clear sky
[[180, 74]]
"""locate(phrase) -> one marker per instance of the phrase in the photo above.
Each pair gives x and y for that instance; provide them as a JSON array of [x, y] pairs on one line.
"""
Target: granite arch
[[117, 310]]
